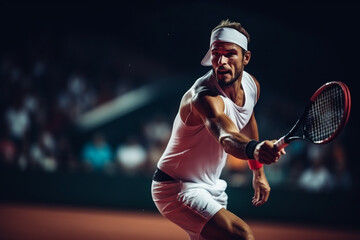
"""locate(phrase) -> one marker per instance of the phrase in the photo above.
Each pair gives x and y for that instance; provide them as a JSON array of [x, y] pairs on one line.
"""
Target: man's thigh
[[186, 205], [226, 225]]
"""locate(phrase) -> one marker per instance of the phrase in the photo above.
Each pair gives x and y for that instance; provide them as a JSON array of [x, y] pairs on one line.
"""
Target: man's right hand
[[267, 153]]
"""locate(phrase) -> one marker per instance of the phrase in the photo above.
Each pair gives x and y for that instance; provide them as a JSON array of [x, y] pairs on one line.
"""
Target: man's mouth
[[223, 71]]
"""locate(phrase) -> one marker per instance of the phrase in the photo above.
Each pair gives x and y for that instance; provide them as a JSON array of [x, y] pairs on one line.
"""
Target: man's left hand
[[261, 187]]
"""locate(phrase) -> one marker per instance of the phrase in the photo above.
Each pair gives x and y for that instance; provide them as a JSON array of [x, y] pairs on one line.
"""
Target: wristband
[[250, 148], [254, 164]]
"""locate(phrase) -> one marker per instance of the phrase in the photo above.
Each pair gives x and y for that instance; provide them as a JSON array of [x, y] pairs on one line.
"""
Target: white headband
[[225, 34]]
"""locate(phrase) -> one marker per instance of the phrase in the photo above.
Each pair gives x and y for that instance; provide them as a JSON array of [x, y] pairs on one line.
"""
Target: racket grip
[[281, 144]]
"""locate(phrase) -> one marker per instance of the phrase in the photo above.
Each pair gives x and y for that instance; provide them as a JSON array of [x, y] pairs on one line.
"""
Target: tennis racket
[[323, 118]]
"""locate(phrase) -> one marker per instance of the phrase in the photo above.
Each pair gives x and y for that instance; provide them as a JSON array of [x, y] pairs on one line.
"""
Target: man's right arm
[[210, 108]]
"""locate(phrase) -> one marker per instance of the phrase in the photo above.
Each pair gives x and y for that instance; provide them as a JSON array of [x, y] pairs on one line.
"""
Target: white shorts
[[189, 205]]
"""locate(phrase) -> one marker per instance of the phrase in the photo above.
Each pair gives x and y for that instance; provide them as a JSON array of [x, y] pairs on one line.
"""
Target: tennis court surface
[[50, 222]]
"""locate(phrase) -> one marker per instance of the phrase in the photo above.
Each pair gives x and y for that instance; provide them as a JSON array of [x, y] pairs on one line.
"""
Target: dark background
[[296, 47]]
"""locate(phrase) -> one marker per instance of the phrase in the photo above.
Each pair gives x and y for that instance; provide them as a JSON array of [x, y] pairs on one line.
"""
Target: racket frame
[[289, 137]]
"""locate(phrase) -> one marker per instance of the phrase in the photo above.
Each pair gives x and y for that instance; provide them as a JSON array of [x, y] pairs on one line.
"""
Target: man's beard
[[223, 83]]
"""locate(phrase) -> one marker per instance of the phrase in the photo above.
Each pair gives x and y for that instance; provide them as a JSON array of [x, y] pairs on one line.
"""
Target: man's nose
[[222, 59]]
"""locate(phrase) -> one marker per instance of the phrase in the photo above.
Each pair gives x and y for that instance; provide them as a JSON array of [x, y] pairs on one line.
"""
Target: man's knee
[[240, 230], [228, 228]]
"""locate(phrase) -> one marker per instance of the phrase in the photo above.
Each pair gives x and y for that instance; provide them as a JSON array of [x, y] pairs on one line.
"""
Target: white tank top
[[193, 154]]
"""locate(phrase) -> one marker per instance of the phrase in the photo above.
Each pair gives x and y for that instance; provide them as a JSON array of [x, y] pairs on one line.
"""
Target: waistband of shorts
[[161, 176]]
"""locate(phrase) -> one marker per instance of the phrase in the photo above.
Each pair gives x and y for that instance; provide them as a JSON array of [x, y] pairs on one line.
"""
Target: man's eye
[[230, 54]]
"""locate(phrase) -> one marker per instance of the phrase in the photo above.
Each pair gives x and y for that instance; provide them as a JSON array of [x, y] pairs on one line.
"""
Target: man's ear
[[247, 57]]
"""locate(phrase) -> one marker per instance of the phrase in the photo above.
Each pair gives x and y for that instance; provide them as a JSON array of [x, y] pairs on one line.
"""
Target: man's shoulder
[[252, 77], [205, 84], [206, 92], [253, 83]]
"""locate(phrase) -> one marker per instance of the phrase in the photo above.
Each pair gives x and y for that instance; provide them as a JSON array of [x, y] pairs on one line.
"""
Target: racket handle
[[281, 144]]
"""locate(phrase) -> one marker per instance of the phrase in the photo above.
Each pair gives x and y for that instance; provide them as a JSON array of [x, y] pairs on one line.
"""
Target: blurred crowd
[[41, 97], [137, 154], [45, 87]]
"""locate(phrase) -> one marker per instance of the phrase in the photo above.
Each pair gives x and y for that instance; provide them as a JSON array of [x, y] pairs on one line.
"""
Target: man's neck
[[235, 92]]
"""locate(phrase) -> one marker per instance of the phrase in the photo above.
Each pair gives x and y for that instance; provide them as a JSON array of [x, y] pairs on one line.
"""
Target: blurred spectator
[[157, 133], [36, 155], [18, 121], [286, 172], [276, 174], [77, 97], [97, 154], [49, 163], [340, 176], [40, 154], [49, 146], [158, 129], [48, 142], [24, 160], [7, 151], [297, 153], [154, 152], [31, 103], [76, 85], [82, 97], [297, 167], [131, 156], [317, 177]]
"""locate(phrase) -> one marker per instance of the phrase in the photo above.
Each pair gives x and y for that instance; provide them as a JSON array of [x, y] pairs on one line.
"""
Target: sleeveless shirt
[[193, 154]]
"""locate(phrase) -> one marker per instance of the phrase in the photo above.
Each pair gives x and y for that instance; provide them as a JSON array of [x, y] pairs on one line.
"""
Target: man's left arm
[[260, 183]]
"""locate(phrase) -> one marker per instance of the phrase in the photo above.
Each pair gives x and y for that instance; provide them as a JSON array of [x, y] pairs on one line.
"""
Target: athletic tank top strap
[[240, 115]]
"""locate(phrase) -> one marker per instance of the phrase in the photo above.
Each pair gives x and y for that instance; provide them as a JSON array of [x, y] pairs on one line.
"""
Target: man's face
[[228, 62]]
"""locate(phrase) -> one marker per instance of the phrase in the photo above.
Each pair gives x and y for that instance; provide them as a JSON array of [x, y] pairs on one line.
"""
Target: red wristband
[[254, 164]]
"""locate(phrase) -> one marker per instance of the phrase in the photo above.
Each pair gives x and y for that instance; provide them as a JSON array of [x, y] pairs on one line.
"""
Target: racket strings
[[325, 114]]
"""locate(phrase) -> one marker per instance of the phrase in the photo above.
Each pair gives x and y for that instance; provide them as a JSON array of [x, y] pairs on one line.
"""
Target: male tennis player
[[215, 118]]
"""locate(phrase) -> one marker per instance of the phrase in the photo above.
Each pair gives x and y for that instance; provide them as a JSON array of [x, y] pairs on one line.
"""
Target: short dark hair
[[235, 25]]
